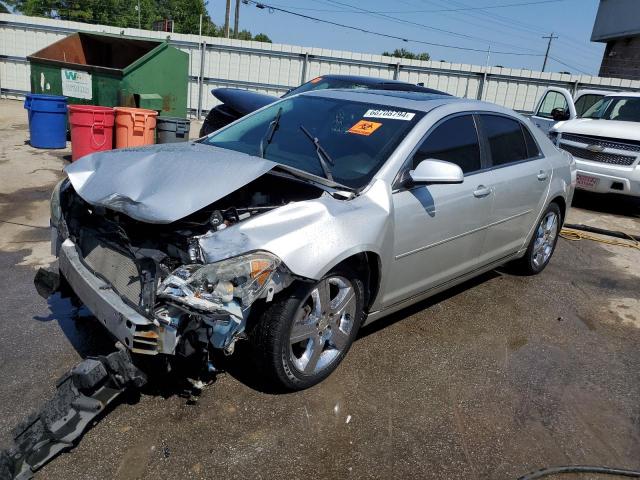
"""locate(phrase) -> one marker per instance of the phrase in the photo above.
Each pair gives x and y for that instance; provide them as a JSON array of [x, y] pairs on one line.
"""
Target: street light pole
[[236, 20], [227, 18], [138, 14]]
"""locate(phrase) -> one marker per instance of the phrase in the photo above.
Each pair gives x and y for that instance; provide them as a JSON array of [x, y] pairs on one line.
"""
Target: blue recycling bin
[[47, 120]]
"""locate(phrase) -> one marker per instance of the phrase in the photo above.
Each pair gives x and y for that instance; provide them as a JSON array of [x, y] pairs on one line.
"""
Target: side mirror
[[559, 114], [436, 171]]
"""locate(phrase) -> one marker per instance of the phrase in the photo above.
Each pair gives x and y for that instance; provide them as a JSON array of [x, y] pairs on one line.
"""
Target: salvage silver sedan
[[296, 225]]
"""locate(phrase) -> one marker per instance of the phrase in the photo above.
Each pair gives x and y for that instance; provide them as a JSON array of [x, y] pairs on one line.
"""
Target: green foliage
[[261, 37], [3, 8], [124, 13], [404, 53]]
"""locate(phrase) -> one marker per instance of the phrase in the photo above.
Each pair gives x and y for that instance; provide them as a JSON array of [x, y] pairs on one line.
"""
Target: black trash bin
[[172, 129]]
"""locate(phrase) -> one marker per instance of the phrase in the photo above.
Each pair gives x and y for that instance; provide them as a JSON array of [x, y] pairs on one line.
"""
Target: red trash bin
[[91, 129]]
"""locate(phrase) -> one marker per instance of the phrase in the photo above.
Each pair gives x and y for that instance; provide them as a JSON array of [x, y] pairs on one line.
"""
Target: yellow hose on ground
[[576, 235]]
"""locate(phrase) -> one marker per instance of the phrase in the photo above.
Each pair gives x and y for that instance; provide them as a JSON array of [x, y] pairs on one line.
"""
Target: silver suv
[[294, 226]]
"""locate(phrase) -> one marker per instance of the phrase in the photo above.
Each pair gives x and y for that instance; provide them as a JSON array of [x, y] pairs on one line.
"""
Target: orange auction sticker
[[364, 127], [316, 80]]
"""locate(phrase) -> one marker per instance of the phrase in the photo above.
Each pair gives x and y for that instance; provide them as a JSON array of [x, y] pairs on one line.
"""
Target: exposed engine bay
[[158, 269]]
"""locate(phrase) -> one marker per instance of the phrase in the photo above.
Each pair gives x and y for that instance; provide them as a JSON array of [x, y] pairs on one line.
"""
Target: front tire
[[302, 337], [543, 242]]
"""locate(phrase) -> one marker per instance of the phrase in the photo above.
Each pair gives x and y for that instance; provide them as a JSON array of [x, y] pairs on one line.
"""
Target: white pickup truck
[[557, 104], [604, 139]]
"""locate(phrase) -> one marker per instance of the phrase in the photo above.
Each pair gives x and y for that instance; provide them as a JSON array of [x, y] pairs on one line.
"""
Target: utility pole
[[546, 55], [486, 64], [227, 17], [138, 14], [236, 20]]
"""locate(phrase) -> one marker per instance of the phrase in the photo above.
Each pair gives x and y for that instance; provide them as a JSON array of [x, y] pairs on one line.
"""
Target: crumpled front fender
[[312, 236]]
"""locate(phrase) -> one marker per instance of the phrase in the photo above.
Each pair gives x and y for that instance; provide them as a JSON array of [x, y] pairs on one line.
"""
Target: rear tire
[[543, 242], [303, 336]]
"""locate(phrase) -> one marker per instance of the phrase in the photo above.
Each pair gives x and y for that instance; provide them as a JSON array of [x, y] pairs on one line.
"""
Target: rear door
[[551, 99], [521, 178]]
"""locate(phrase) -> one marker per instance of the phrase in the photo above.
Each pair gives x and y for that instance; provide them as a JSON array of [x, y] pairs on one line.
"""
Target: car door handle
[[542, 176], [481, 191]]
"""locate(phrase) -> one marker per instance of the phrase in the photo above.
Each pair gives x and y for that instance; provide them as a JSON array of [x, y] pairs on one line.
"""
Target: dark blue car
[[237, 103]]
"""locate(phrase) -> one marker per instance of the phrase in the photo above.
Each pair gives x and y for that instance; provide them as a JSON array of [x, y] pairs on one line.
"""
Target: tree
[[123, 13], [3, 8], [261, 37], [403, 53]]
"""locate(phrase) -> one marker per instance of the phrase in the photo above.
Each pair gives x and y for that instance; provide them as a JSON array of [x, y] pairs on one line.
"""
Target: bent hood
[[163, 183], [242, 101], [600, 128]]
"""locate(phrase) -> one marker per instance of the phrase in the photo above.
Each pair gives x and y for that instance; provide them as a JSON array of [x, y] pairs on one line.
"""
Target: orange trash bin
[[135, 127]]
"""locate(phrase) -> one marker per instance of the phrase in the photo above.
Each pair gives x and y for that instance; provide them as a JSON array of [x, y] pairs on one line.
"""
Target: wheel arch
[[368, 265], [562, 204]]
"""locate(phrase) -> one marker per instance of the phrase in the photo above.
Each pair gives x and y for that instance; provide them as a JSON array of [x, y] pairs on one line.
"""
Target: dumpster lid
[[115, 54]]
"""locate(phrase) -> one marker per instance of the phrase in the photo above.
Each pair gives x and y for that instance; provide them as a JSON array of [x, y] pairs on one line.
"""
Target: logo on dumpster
[[76, 84]]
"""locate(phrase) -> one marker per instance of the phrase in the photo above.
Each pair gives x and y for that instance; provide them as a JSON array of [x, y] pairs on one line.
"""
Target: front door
[[440, 229]]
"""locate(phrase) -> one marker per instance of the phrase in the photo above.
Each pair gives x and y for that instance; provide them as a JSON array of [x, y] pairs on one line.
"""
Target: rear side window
[[532, 147], [455, 141], [506, 139]]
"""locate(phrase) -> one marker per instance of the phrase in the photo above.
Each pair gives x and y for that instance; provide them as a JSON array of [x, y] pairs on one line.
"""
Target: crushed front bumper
[[137, 332]]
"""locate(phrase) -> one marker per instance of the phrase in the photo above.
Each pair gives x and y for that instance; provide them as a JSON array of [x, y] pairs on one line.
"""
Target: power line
[[569, 66], [422, 25], [488, 7], [271, 8]]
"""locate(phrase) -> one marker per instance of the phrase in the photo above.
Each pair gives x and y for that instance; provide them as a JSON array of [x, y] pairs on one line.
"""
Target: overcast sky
[[509, 29]]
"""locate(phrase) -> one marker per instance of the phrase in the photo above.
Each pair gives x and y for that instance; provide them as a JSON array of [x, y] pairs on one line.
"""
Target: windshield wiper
[[322, 154], [271, 130]]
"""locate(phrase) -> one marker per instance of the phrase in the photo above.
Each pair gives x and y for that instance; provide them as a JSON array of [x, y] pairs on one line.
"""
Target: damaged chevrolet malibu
[[296, 225]]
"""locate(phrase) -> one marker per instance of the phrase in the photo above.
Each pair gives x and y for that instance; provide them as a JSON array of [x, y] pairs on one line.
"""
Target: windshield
[[354, 139], [625, 109], [320, 83]]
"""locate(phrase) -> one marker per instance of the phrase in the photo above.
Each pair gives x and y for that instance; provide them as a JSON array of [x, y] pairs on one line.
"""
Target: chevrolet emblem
[[595, 148]]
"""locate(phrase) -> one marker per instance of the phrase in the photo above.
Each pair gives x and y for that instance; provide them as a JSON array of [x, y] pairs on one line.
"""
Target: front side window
[[506, 140], [455, 141], [552, 100], [357, 136]]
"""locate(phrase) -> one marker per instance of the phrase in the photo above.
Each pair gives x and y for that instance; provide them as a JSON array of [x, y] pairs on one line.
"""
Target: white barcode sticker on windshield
[[390, 114]]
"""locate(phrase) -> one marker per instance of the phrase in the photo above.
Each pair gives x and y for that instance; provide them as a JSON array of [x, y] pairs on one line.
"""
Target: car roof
[[624, 94], [411, 100], [383, 83]]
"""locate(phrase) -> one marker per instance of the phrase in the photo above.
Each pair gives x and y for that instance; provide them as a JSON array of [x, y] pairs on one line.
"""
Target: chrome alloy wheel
[[545, 239], [323, 324]]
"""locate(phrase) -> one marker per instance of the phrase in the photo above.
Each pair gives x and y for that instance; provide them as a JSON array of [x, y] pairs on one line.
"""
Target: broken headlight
[[215, 286]]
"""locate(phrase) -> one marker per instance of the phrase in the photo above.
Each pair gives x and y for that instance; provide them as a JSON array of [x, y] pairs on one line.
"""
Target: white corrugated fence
[[274, 68]]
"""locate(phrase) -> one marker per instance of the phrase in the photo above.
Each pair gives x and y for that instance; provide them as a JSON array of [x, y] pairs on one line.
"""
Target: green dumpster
[[113, 70]]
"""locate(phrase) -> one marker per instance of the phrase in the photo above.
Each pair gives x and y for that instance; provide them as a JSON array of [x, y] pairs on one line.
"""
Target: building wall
[[621, 59], [616, 19]]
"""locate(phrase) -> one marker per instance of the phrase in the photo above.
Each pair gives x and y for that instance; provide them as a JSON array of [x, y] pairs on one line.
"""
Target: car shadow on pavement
[[243, 369], [85, 334], [425, 304], [610, 203]]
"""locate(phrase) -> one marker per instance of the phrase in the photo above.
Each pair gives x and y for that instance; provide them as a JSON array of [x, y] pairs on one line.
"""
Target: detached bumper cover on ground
[[81, 395]]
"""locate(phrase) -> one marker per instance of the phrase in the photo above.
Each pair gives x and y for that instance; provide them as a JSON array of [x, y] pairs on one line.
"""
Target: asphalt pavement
[[500, 376]]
